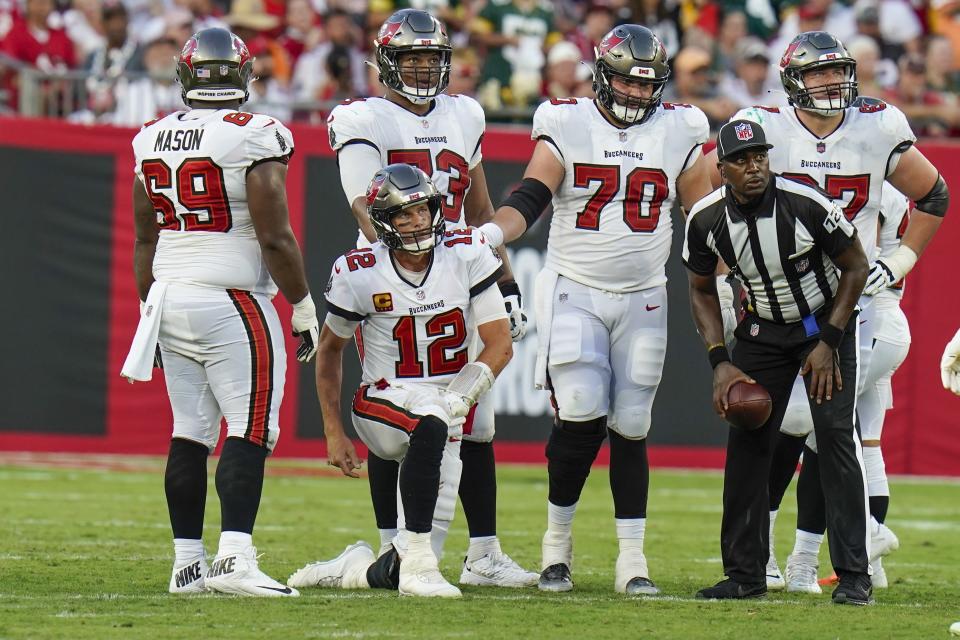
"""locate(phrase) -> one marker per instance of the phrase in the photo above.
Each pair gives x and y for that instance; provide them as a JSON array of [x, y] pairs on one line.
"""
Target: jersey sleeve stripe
[[686, 161], [344, 313], [383, 411], [359, 141], [484, 284], [899, 149], [547, 138], [284, 159], [477, 148], [261, 364]]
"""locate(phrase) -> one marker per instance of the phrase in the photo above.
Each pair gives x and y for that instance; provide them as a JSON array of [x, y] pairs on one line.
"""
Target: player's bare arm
[[694, 183], [820, 363], [713, 169], [545, 169], [920, 181], [478, 210], [497, 345], [145, 245], [359, 210], [329, 375]]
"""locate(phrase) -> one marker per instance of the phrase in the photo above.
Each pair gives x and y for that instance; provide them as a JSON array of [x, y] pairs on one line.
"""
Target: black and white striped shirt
[[781, 252]]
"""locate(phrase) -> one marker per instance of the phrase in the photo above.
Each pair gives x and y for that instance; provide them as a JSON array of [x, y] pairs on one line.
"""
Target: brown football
[[748, 406]]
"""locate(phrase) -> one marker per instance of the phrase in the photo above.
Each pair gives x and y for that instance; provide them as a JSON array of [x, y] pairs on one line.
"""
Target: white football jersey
[[894, 217], [851, 164], [193, 165], [611, 226], [444, 143], [409, 332]]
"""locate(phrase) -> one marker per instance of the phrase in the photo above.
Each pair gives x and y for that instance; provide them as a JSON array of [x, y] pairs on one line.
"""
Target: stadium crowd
[[509, 54]]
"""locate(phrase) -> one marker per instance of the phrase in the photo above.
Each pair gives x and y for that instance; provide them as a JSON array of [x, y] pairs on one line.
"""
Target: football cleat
[[802, 573], [854, 588], [879, 577], [882, 542], [189, 577], [730, 589], [239, 574], [347, 571], [775, 581], [556, 577], [631, 575], [496, 570], [420, 576]]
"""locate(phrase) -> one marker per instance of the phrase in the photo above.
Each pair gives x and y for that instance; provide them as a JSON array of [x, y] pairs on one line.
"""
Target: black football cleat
[[730, 589], [854, 588], [556, 577]]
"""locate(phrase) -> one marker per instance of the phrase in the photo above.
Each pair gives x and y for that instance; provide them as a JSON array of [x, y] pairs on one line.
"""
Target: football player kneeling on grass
[[414, 300]]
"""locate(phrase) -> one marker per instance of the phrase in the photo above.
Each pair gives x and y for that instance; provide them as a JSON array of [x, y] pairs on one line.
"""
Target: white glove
[[458, 406], [885, 272], [514, 306], [950, 365], [728, 308], [306, 327]]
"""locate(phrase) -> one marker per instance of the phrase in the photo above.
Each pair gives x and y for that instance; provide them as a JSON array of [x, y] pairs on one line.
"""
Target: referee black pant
[[772, 354]]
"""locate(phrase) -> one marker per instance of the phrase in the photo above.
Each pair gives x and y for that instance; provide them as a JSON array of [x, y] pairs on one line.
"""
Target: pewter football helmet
[[814, 50], [407, 31], [631, 52], [393, 189]]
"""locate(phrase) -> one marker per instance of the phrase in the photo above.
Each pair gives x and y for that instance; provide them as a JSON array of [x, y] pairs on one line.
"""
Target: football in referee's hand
[[748, 405]]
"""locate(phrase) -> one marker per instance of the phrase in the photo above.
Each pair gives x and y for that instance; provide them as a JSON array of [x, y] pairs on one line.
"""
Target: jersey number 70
[[646, 190]]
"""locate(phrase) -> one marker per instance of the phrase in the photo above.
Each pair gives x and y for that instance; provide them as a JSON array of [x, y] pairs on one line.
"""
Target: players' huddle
[[429, 299]]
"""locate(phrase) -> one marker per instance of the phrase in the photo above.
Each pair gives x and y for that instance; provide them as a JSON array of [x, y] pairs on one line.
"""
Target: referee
[[799, 260]]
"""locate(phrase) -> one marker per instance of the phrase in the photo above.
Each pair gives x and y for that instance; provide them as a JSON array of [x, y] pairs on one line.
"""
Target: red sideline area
[[920, 433]]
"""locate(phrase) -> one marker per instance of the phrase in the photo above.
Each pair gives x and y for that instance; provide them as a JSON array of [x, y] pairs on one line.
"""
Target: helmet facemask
[[626, 108], [826, 100], [428, 81], [415, 242]]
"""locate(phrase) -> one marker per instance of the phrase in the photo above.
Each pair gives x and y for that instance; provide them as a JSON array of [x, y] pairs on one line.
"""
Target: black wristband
[[717, 355], [831, 336], [509, 288]]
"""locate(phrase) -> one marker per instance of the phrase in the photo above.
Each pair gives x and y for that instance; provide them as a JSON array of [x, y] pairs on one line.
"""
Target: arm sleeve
[[358, 164], [488, 306], [342, 299], [545, 128], [697, 256]]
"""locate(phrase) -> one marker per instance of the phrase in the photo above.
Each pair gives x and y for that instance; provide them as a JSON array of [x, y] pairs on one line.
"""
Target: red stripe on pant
[[382, 411], [261, 365]]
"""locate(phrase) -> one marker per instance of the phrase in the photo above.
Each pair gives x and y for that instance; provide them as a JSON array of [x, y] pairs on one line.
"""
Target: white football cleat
[[879, 577], [189, 577], [802, 573], [882, 542], [347, 571], [775, 581], [632, 576], [496, 570], [239, 574], [420, 576]]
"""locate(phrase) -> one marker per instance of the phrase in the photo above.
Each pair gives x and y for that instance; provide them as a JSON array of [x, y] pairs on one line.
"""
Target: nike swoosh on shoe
[[284, 590]]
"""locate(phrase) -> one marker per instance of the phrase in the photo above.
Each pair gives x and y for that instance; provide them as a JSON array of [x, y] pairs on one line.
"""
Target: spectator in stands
[[928, 112], [464, 72], [206, 14], [692, 83], [157, 95], [868, 24], [750, 84], [33, 41], [271, 92], [733, 29], [303, 32], [942, 75], [566, 75], [598, 20], [316, 80], [515, 34], [945, 21], [662, 18], [874, 75], [815, 15], [761, 19], [893, 23], [119, 53], [83, 22]]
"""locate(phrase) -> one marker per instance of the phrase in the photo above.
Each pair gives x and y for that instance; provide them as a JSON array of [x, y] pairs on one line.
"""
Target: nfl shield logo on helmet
[[744, 131]]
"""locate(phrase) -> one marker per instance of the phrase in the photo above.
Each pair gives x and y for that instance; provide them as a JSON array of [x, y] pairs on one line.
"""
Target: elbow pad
[[937, 201], [530, 199]]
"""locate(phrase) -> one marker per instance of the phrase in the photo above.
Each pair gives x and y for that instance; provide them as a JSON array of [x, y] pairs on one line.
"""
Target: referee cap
[[739, 135]]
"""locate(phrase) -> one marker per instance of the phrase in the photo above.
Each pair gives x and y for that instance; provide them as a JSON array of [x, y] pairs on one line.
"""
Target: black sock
[[185, 482], [786, 455], [420, 473], [240, 483], [629, 476], [382, 475], [811, 508], [571, 450], [878, 507], [478, 488]]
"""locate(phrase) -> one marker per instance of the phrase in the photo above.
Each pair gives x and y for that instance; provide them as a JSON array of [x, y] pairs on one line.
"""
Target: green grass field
[[86, 554]]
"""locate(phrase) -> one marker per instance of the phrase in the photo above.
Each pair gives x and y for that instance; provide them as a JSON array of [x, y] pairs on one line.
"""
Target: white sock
[[418, 544], [232, 542], [773, 521], [808, 543], [876, 472], [387, 536], [560, 519], [186, 550], [438, 536], [482, 546], [630, 532]]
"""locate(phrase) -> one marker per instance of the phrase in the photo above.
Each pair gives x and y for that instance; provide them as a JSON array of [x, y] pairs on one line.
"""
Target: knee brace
[[420, 473], [570, 451]]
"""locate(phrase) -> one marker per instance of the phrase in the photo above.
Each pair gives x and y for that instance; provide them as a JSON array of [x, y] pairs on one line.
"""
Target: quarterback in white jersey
[[214, 245], [416, 123], [613, 167], [415, 298], [847, 146]]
